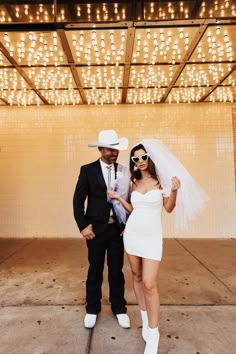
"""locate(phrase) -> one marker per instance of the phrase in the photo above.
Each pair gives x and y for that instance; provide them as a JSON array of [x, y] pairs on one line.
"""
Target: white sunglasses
[[137, 159]]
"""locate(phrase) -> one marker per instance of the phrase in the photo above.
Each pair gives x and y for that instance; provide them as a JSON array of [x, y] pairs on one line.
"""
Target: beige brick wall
[[42, 149], [234, 141]]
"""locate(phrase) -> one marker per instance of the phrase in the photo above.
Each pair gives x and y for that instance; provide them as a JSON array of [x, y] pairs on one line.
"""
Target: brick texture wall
[[42, 149], [234, 141]]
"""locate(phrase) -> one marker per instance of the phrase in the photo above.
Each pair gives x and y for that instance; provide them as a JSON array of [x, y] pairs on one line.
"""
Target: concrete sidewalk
[[42, 296]]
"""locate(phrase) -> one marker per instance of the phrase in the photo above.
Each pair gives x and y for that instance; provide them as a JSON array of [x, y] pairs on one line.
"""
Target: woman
[[143, 237], [143, 232]]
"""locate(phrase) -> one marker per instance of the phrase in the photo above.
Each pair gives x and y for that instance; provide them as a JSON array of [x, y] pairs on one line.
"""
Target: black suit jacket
[[91, 186]]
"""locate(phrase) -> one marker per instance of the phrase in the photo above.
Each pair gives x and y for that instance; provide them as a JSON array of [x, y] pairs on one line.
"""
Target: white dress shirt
[[105, 173]]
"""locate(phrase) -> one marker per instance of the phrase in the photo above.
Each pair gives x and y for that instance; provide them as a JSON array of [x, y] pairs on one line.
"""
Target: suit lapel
[[98, 172], [115, 166]]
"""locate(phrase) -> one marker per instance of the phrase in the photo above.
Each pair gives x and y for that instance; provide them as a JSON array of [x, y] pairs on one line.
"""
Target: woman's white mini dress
[[143, 231]]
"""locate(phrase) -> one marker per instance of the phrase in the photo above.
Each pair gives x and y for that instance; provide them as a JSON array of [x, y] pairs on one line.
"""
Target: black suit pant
[[111, 243]]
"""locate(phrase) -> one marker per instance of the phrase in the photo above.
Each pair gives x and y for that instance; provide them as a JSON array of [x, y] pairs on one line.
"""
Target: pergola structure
[[55, 52]]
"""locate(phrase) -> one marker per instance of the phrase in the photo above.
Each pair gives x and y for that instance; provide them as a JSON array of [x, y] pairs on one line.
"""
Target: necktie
[[109, 167], [109, 175]]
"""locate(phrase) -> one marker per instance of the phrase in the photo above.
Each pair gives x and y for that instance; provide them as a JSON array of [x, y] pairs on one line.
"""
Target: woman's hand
[[112, 194], [169, 202], [176, 184]]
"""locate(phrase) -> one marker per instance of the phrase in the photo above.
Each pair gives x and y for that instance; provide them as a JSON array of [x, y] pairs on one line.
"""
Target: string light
[[88, 12], [101, 54]]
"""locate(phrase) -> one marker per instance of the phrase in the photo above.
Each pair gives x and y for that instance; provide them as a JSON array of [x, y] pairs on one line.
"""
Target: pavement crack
[[209, 270], [17, 250], [89, 343]]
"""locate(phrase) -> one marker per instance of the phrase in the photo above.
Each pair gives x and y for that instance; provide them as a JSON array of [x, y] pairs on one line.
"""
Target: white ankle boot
[[152, 341], [144, 325]]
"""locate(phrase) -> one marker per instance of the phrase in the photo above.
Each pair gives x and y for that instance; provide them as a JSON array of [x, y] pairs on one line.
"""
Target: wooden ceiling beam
[[21, 72], [4, 101], [71, 10], [192, 47], [218, 84], [70, 59], [196, 8], [11, 12], [128, 59], [55, 10]]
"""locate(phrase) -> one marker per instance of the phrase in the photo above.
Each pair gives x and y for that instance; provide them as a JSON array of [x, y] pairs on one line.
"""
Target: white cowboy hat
[[109, 139]]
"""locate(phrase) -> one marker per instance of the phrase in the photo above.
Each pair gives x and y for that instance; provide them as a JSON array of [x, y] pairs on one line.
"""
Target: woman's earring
[[135, 168]]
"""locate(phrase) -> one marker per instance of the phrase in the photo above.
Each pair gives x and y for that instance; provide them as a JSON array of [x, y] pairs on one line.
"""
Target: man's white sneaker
[[90, 320], [123, 320]]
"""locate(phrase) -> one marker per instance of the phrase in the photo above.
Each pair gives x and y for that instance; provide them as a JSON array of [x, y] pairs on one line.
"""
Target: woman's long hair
[[135, 173]]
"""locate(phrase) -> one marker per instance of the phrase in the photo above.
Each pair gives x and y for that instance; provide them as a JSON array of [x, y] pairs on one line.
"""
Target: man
[[99, 227]]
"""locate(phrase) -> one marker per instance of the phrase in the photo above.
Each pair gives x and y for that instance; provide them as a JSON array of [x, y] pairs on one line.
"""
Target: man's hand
[[88, 232]]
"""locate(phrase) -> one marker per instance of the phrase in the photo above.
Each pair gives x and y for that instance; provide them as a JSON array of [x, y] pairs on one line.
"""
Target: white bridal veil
[[191, 198]]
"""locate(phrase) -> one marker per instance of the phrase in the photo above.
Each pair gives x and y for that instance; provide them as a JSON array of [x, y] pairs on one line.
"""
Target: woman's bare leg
[[136, 267], [150, 270]]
